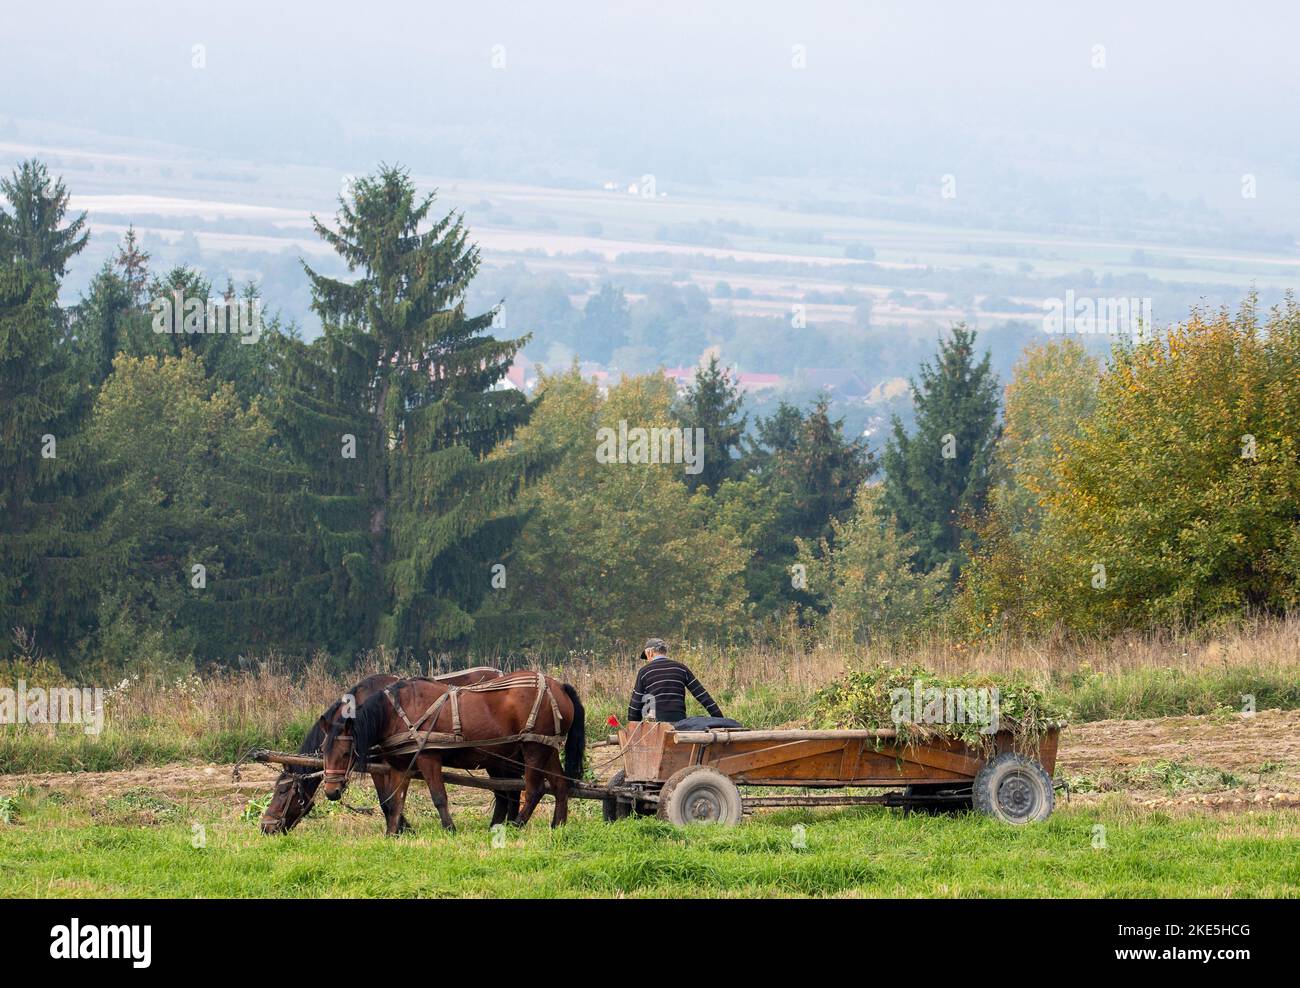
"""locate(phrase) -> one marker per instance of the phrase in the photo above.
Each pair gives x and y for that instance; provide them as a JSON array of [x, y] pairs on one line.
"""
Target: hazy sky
[[688, 90]]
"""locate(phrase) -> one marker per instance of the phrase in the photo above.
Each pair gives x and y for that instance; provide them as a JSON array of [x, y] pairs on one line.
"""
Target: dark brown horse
[[526, 721], [295, 789]]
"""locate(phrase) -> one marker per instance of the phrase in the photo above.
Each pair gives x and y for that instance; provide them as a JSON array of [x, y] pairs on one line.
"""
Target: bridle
[[340, 775], [296, 781]]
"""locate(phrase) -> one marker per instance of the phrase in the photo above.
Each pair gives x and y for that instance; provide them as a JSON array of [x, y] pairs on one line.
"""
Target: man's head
[[653, 647]]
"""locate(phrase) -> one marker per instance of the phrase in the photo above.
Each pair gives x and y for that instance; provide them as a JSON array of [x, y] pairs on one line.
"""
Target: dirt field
[[1227, 764], [1233, 763]]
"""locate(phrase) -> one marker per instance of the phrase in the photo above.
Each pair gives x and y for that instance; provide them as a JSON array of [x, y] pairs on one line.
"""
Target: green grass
[[1169, 692], [139, 847]]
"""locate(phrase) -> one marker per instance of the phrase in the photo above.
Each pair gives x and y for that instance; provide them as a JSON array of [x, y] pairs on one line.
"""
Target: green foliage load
[[872, 699]]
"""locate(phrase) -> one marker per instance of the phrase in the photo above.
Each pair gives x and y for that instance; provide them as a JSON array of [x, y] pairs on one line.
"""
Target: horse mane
[[367, 728]]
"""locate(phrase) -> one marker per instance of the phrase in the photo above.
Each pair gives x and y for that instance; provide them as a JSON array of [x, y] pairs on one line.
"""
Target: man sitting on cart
[[659, 692]]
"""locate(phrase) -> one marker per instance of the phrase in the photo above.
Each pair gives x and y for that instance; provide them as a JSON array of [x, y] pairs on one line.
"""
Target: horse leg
[[384, 790], [392, 798], [560, 785], [505, 805], [534, 782], [513, 799], [403, 824], [431, 769]]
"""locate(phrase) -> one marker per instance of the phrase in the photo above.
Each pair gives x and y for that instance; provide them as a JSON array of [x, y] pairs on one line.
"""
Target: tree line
[[193, 496]]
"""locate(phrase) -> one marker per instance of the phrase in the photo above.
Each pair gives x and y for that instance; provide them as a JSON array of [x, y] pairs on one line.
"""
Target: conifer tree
[[937, 480], [132, 260], [33, 227], [100, 322], [394, 411], [823, 471], [804, 475], [713, 404], [50, 552]]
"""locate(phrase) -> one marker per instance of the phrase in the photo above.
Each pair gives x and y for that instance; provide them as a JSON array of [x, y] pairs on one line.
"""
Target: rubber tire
[[700, 788], [611, 809], [1014, 789], [931, 789]]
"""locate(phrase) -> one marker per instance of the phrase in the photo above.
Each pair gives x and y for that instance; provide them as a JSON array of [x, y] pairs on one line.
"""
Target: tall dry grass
[[217, 717]]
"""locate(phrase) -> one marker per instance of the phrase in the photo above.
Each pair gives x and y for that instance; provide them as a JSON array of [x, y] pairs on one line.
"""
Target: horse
[[295, 789], [521, 713]]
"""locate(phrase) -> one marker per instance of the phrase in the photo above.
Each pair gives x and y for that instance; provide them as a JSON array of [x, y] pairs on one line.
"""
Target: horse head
[[339, 754], [290, 800]]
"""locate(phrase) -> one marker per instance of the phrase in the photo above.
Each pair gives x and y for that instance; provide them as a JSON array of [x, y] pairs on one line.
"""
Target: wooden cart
[[695, 776], [689, 777]]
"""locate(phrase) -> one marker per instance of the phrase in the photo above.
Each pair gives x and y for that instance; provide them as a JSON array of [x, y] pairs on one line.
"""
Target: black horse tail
[[575, 746]]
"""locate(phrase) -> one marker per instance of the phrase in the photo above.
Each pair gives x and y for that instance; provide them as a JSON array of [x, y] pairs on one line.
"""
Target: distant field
[[169, 191]]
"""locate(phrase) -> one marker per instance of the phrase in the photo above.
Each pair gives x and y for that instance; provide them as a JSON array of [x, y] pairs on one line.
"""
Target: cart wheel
[[611, 807], [1013, 789], [700, 794], [937, 789]]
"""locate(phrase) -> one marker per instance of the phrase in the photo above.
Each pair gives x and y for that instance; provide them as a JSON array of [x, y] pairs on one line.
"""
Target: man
[[660, 689]]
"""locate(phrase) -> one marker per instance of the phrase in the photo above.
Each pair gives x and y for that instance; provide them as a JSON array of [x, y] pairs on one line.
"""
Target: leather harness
[[416, 740]]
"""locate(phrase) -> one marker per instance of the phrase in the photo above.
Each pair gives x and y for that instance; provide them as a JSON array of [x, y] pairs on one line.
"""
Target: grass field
[[141, 845], [1197, 799]]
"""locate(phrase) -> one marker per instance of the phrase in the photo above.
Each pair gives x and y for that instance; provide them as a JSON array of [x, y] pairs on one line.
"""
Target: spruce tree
[[50, 552], [34, 226], [396, 411], [713, 404], [100, 322], [774, 435], [804, 475], [823, 471], [937, 480], [133, 262]]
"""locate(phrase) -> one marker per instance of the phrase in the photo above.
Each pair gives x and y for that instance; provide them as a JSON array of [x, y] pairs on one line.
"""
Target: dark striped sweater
[[667, 681]]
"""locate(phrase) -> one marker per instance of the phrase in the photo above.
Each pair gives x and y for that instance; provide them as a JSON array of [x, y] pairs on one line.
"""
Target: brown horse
[[295, 790], [525, 713]]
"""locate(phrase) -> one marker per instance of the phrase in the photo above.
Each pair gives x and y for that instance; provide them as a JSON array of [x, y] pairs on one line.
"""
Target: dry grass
[[1130, 676]]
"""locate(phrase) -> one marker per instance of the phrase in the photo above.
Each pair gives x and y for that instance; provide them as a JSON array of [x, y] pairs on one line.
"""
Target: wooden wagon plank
[[931, 756], [747, 761], [727, 735]]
